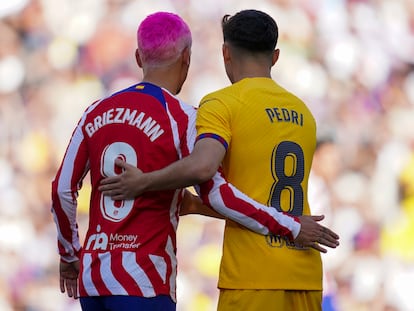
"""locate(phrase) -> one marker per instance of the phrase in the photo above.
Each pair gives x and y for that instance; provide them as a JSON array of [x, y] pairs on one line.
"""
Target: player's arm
[[200, 166], [65, 186], [64, 205], [196, 168], [231, 203]]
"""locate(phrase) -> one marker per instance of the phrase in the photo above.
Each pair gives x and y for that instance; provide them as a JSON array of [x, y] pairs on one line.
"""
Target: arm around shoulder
[[194, 169]]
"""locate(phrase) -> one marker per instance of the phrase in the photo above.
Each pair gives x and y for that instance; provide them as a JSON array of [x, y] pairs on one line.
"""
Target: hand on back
[[314, 235], [125, 186]]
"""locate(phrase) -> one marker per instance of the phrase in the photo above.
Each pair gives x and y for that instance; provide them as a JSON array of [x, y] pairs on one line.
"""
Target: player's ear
[[226, 52], [275, 56], [138, 58], [186, 56]]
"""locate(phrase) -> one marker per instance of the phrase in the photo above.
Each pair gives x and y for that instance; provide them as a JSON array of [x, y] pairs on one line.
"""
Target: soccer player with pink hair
[[128, 259]]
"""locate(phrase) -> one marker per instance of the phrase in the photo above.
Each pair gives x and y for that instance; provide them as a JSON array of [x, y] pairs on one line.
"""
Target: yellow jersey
[[270, 136]]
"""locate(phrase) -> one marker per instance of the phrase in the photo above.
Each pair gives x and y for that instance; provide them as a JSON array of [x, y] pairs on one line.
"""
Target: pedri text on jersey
[[284, 115]]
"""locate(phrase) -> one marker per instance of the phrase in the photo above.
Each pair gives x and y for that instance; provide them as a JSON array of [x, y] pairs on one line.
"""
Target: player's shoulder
[[223, 95]]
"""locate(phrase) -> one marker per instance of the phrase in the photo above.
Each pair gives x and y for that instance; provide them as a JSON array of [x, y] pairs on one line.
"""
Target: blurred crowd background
[[351, 61]]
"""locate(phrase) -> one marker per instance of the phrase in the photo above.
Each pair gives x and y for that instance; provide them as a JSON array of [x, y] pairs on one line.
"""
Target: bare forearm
[[194, 169], [198, 167], [180, 174]]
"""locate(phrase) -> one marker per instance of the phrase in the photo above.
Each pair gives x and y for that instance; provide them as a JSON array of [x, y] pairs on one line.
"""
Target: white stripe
[[191, 128], [173, 278], [174, 129], [174, 208], [108, 278], [191, 113], [65, 193], [160, 266], [283, 220], [87, 276], [66, 244], [135, 271], [169, 248], [218, 204]]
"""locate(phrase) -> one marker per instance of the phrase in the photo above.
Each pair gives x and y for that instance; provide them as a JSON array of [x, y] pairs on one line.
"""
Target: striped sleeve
[[182, 120], [65, 188], [230, 202]]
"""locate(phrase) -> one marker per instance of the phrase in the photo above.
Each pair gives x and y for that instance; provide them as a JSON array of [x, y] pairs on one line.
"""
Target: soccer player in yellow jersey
[[264, 138], [270, 138]]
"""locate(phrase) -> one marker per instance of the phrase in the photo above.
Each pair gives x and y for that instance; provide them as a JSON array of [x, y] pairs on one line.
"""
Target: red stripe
[[235, 203], [64, 224], [250, 211], [96, 276], [124, 277]]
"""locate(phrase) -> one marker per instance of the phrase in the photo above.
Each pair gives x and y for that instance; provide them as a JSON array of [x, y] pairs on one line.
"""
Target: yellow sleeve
[[214, 117]]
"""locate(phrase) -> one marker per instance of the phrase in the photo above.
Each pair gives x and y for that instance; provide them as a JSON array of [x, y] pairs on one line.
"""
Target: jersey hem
[[286, 286], [132, 295]]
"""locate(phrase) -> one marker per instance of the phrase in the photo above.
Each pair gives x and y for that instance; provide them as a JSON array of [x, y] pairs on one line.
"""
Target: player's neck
[[168, 77], [251, 74], [162, 80], [250, 69]]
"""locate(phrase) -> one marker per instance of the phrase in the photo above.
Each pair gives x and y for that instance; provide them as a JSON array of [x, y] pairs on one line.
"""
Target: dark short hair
[[251, 30]]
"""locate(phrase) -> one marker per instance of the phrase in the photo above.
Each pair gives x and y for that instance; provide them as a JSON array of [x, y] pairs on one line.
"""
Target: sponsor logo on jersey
[[277, 241], [103, 241]]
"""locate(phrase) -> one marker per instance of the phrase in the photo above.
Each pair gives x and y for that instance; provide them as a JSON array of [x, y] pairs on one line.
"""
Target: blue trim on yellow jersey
[[214, 136], [146, 88]]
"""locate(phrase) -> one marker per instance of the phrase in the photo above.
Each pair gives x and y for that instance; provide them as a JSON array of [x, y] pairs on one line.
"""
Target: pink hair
[[161, 38]]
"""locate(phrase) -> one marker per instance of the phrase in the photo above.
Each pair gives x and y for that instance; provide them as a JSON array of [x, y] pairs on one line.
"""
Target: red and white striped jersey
[[130, 245]]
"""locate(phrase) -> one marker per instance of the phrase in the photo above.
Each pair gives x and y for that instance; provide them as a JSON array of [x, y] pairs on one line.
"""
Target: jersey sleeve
[[65, 186], [230, 202], [182, 118], [213, 119], [187, 143]]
